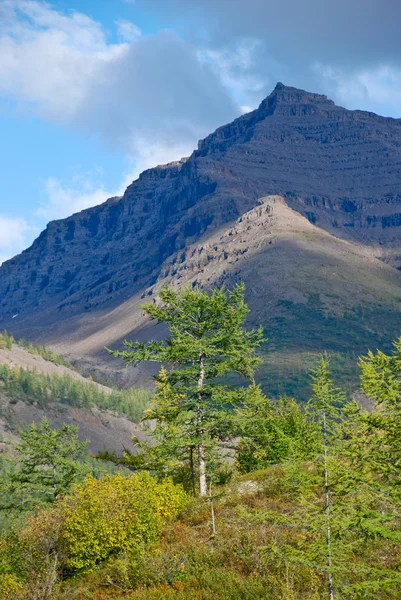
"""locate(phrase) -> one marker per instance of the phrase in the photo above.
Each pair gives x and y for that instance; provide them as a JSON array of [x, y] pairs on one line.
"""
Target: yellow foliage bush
[[100, 518], [10, 587]]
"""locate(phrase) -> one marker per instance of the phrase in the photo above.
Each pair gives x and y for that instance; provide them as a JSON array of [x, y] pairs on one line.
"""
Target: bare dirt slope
[[105, 429], [19, 356]]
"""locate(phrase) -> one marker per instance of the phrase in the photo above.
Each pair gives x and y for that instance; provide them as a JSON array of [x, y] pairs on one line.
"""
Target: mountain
[[300, 198]]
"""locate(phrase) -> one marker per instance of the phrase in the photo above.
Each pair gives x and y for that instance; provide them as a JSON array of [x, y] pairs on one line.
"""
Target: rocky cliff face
[[338, 169]]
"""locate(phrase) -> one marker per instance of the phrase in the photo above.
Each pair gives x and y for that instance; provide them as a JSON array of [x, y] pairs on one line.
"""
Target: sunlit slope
[[310, 290]]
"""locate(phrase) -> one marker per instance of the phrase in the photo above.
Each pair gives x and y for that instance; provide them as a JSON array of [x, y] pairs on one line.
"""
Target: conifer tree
[[356, 507], [170, 448], [272, 432], [381, 382], [323, 409], [49, 461], [207, 340]]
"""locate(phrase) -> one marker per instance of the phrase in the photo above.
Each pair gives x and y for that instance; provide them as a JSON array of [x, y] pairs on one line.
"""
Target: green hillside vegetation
[[44, 464], [239, 495], [303, 331], [7, 341], [31, 386]]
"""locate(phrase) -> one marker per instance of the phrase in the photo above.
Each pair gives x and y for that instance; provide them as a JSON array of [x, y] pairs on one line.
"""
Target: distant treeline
[[32, 386], [7, 341]]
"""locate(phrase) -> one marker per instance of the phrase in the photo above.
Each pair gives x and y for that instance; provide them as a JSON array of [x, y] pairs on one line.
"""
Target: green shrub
[[6, 340]]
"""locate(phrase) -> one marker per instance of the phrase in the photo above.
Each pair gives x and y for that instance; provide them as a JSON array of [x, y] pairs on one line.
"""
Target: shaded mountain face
[[336, 173]]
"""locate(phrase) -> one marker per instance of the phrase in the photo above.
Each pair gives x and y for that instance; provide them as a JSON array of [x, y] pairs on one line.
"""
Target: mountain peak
[[337, 168], [283, 100], [284, 95]]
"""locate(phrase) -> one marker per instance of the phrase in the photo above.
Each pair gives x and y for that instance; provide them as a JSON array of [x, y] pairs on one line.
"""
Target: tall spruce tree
[[207, 340], [322, 407]]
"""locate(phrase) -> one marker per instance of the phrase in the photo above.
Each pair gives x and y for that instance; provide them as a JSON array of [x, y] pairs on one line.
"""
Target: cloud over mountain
[[350, 49], [12, 235], [151, 97], [67, 70]]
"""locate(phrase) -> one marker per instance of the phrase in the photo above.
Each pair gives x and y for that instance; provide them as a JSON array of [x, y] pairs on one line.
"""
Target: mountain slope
[[315, 272], [105, 429], [310, 290]]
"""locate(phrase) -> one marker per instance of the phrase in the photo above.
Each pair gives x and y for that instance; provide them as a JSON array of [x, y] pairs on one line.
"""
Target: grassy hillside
[[257, 552], [36, 383], [303, 331]]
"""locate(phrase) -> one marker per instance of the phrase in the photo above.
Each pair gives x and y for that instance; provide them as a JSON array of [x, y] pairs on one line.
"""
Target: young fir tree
[[381, 382], [272, 432], [169, 448], [48, 463], [207, 340], [349, 519], [323, 409], [172, 447], [311, 483], [366, 509]]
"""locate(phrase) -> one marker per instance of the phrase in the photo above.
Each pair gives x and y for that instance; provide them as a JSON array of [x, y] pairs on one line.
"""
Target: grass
[[302, 332], [253, 555]]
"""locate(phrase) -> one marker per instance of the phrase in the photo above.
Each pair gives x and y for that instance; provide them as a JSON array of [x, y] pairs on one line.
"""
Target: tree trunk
[[202, 470], [212, 509], [201, 446], [54, 483], [330, 587], [191, 458]]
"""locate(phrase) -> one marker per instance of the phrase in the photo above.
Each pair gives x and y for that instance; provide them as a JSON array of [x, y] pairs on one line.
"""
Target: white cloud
[[127, 31], [14, 236], [347, 33], [235, 67], [49, 59], [62, 200], [65, 68], [356, 41], [146, 153], [151, 97], [161, 91], [378, 89]]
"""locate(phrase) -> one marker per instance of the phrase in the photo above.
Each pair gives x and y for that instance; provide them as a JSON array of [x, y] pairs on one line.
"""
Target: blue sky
[[94, 91]]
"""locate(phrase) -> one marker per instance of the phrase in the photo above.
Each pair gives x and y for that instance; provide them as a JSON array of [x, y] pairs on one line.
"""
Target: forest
[[234, 494]]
